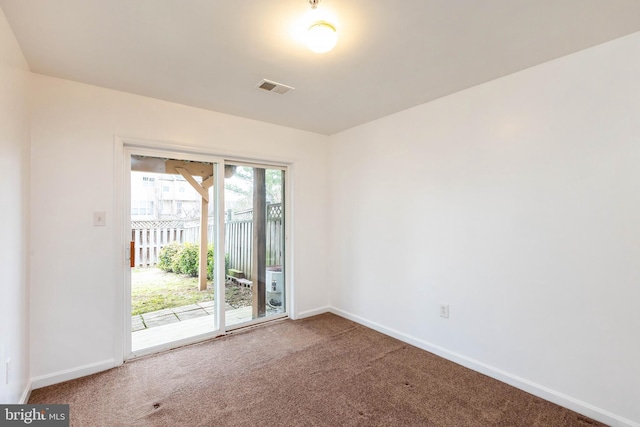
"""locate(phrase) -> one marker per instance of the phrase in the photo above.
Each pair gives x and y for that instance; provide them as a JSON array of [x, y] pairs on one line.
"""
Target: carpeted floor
[[320, 371]]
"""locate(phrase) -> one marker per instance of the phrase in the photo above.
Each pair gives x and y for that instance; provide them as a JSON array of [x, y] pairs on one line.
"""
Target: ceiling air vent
[[274, 87]]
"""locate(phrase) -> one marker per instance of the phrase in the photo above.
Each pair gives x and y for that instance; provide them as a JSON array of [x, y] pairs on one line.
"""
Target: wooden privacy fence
[[192, 231], [151, 236], [239, 238]]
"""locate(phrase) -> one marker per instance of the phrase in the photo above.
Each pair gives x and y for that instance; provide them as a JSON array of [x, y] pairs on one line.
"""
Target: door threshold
[[172, 345], [166, 337], [256, 323]]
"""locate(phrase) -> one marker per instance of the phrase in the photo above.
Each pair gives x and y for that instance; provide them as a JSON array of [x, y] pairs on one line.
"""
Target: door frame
[[122, 231]]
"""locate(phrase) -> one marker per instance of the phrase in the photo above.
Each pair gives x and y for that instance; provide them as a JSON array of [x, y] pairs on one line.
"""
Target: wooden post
[[259, 267], [203, 189], [204, 220]]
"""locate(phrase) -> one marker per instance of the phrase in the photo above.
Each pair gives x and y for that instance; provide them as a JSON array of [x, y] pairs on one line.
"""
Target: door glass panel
[[254, 246], [172, 231]]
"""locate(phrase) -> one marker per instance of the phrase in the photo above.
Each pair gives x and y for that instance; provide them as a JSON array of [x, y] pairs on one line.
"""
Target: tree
[[239, 188]]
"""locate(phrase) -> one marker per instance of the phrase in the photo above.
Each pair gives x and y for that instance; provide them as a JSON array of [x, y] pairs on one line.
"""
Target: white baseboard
[[26, 394], [314, 312], [498, 374], [71, 374]]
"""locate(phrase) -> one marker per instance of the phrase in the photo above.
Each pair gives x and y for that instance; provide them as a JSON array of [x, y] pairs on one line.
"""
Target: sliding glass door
[[173, 225], [205, 240], [254, 242]]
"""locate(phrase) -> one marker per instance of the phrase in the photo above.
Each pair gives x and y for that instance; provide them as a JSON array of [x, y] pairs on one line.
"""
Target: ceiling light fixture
[[321, 35]]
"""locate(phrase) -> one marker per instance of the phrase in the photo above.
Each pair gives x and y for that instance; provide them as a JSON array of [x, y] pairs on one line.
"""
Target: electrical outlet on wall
[[444, 310]]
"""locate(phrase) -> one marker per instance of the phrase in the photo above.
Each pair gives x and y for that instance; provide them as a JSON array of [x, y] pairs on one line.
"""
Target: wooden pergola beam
[[168, 166], [196, 186], [207, 183], [203, 190]]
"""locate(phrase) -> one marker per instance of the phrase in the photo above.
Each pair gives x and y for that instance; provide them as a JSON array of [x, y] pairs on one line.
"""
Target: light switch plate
[[444, 310], [99, 219]]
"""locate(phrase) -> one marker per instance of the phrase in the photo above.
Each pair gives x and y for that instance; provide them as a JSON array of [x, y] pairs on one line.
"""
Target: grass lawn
[[153, 289]]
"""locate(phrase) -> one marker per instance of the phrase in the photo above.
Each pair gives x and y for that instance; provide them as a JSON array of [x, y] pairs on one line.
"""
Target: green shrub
[[175, 260], [188, 259], [210, 262], [185, 259], [167, 254]]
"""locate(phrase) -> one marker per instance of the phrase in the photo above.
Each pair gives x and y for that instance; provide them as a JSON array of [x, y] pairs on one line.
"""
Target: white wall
[[517, 203], [14, 217], [74, 294]]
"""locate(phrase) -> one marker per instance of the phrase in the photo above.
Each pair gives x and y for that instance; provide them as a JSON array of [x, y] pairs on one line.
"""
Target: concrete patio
[[172, 315], [172, 324]]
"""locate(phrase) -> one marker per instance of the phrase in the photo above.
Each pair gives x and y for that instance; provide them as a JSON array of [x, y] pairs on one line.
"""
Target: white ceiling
[[391, 55]]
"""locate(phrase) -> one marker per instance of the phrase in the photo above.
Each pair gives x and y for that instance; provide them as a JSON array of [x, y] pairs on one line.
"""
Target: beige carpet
[[321, 371]]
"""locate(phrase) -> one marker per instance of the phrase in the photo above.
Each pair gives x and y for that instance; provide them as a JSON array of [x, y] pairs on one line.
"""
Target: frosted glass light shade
[[321, 37]]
